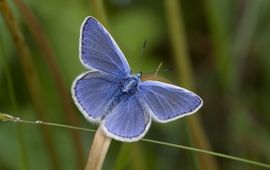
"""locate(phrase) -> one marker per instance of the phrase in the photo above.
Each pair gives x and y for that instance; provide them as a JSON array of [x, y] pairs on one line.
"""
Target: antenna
[[143, 47], [142, 53]]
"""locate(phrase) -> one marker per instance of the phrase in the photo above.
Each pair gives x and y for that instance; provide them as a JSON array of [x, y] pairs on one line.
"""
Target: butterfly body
[[130, 85], [127, 89], [110, 95]]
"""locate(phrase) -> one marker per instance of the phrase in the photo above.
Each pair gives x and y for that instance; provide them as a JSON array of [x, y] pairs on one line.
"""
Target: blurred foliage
[[229, 48]]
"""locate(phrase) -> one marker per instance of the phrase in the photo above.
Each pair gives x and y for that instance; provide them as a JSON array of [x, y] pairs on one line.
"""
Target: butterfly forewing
[[168, 102], [98, 50]]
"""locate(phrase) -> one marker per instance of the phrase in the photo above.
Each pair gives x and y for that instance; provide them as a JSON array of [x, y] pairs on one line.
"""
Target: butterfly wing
[[128, 121], [98, 50], [93, 92], [168, 102]]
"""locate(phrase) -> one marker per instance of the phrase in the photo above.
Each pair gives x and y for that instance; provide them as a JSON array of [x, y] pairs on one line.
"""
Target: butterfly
[[121, 102]]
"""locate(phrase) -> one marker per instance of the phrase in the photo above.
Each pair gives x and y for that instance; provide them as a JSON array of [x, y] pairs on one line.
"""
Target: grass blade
[[50, 59], [176, 146], [31, 77], [179, 45], [21, 143]]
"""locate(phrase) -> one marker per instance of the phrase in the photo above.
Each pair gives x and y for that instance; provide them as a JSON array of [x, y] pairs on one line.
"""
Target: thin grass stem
[[21, 143], [30, 73], [181, 57], [101, 142], [209, 153], [9, 118], [99, 11], [219, 29], [48, 55]]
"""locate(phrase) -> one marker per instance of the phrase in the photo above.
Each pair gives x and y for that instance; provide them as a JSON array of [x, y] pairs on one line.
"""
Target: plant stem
[[178, 39], [49, 57], [30, 73], [220, 37], [101, 142], [98, 150], [13, 101], [225, 156], [7, 117], [99, 12]]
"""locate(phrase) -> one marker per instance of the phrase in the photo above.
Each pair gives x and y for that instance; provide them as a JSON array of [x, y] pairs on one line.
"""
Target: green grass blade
[[31, 76], [24, 165], [10, 118], [185, 76]]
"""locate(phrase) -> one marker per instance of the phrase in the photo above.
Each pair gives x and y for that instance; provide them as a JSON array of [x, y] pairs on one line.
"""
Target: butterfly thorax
[[130, 85]]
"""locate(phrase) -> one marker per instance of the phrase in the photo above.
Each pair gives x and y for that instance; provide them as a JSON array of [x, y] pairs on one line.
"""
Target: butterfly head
[[138, 75]]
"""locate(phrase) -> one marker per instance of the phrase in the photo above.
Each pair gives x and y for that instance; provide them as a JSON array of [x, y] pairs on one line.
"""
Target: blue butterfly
[[110, 95]]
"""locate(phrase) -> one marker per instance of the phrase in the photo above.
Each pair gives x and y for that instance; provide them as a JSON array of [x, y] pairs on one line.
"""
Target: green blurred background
[[226, 59]]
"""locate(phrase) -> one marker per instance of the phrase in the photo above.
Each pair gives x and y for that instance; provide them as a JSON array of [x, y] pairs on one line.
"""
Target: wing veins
[[165, 97], [104, 59], [164, 101], [110, 46], [106, 54], [109, 39]]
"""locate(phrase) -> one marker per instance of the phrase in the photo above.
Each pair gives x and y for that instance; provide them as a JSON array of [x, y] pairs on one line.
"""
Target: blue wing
[[128, 121], [93, 92], [168, 102], [98, 50]]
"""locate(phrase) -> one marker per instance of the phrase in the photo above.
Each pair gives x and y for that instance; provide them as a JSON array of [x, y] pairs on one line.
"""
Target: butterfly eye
[[139, 75]]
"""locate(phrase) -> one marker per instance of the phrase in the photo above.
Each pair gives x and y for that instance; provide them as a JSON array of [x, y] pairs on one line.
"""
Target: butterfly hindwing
[[128, 121], [98, 50], [93, 92], [168, 102]]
